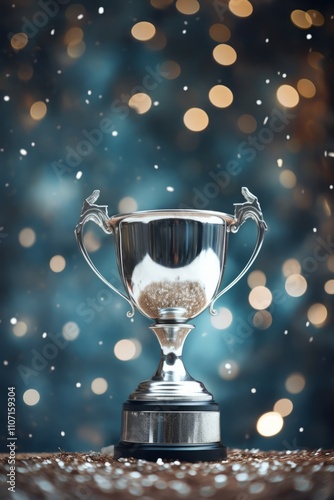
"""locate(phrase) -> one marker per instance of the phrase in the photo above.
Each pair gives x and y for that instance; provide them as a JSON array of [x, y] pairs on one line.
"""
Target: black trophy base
[[187, 453], [185, 431]]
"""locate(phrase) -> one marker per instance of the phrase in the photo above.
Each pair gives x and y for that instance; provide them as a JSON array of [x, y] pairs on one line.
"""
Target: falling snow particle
[[6, 98], [78, 384], [101, 10], [185, 88], [156, 167], [308, 36], [52, 32], [13, 321], [314, 229], [301, 429], [62, 433], [285, 332], [114, 133], [44, 335], [307, 323], [170, 189], [78, 175], [267, 40], [253, 390], [259, 102], [80, 16], [23, 152]]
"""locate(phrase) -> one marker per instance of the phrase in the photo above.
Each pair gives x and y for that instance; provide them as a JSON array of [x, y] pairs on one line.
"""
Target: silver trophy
[[171, 264]]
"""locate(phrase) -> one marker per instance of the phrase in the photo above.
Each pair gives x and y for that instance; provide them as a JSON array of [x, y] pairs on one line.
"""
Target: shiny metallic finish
[[171, 262], [164, 427], [171, 380]]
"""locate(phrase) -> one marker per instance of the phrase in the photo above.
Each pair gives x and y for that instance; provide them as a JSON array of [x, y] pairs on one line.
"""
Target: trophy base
[[187, 431], [186, 453]]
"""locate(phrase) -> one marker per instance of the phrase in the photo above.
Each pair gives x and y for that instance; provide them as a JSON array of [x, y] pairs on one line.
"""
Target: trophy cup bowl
[[171, 264]]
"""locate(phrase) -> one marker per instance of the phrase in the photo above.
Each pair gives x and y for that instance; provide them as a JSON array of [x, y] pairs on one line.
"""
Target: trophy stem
[[171, 382]]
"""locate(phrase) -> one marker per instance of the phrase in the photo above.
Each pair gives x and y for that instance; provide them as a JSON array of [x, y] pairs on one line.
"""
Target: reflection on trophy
[[171, 264]]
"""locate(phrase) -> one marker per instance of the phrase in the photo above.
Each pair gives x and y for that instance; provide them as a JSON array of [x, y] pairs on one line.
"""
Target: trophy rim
[[223, 218]]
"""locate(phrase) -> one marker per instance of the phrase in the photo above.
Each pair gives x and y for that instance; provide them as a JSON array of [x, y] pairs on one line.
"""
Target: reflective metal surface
[[171, 427], [171, 263]]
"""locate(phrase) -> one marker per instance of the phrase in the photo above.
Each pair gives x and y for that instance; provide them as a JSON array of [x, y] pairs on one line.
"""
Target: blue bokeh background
[[154, 161]]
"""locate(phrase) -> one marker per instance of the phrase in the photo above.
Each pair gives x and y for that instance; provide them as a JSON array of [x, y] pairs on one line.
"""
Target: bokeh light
[[57, 263], [256, 278], [295, 285], [224, 54], [70, 330], [262, 320], [288, 179], [260, 297], [219, 32], [223, 319], [27, 237], [127, 205], [329, 287], [240, 8], [291, 266], [188, 7], [20, 328], [306, 88], [19, 41], [295, 383], [38, 110], [143, 31], [228, 369], [127, 349], [270, 424], [31, 397], [99, 385], [140, 102], [301, 19], [247, 123], [221, 96], [283, 406], [196, 119], [287, 96], [317, 314]]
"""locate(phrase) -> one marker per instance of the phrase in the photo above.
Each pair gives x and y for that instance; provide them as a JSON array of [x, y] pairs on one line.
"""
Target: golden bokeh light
[[262, 320], [301, 19], [38, 110], [287, 96], [57, 263], [284, 407], [20, 329], [316, 17], [127, 205], [317, 314], [31, 397], [288, 179], [260, 297], [196, 119], [27, 237], [143, 31], [306, 88], [158, 42], [295, 285], [219, 32], [99, 385], [315, 59], [170, 70], [127, 349], [224, 54], [223, 319], [140, 102], [25, 72], [188, 7], [270, 424], [329, 287], [330, 263], [291, 266], [221, 96], [91, 241], [256, 278], [240, 8], [295, 383], [19, 41], [247, 123], [73, 35], [228, 369], [76, 49]]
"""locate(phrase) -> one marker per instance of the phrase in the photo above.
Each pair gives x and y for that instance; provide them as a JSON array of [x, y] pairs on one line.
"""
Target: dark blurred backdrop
[[166, 105]]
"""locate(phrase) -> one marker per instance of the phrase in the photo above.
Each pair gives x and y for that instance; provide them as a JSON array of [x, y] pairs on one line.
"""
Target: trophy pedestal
[[174, 430]]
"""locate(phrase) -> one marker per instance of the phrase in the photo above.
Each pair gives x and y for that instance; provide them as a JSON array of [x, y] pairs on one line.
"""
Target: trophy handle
[[99, 215], [250, 209]]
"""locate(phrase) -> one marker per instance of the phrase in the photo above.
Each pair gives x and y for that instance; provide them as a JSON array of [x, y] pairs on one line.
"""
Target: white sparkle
[[301, 429], [156, 103], [23, 152], [78, 175], [284, 75], [52, 32], [267, 40], [89, 92], [288, 137], [309, 36], [78, 384], [62, 433], [5, 362], [285, 332], [156, 167], [315, 230], [44, 335], [6, 98], [80, 16], [259, 102], [267, 80], [170, 189], [13, 321], [185, 88], [101, 10], [253, 390], [114, 133]]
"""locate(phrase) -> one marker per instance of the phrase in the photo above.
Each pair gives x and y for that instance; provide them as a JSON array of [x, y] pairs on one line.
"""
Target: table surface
[[246, 475]]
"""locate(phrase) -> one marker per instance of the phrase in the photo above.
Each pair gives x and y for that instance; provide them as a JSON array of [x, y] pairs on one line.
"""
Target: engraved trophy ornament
[[171, 264]]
